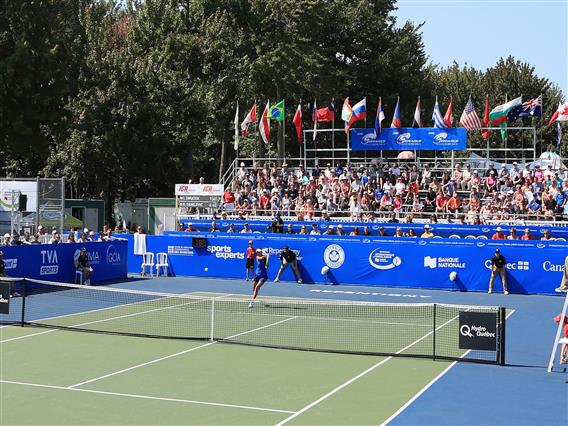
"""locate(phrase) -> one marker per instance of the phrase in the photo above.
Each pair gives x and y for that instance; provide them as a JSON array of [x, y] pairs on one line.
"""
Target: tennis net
[[437, 331]]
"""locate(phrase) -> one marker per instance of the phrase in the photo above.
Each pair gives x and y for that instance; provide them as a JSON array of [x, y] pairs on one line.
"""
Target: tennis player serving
[[260, 274]]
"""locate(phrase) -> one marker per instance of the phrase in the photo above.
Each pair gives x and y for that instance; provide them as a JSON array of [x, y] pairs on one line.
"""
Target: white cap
[[514, 163], [340, 226], [40, 227], [54, 232], [330, 226], [499, 229], [6, 235]]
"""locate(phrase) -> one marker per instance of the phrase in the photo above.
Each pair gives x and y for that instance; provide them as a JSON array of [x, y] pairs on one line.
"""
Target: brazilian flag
[[276, 111]]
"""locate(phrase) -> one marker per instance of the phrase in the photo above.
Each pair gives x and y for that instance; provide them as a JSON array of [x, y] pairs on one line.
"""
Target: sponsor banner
[[478, 330], [58, 262], [408, 138], [215, 190], [28, 188], [441, 229], [399, 262], [4, 297]]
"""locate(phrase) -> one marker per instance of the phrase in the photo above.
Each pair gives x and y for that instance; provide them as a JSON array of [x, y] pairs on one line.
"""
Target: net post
[[502, 328], [212, 333], [23, 315], [434, 332]]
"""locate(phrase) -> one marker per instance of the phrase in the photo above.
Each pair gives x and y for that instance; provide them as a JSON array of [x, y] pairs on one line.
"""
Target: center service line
[[176, 354]]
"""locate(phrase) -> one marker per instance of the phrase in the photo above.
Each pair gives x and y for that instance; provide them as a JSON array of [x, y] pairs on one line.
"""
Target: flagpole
[[284, 133], [255, 133], [333, 133]]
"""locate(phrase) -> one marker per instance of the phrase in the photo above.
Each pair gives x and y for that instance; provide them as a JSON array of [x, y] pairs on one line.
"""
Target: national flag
[[346, 113], [359, 112], [298, 122], [236, 145], [396, 123], [264, 125], [379, 118], [485, 132], [437, 117], [558, 134], [499, 114], [327, 113], [250, 118], [315, 119], [276, 111], [532, 108], [469, 118], [449, 117], [561, 114], [417, 118]]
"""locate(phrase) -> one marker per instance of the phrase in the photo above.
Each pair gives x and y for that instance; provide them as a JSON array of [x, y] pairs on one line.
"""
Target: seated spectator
[[499, 234], [92, 235], [303, 230], [411, 233], [355, 232], [398, 233], [71, 238], [546, 235], [16, 240], [55, 237], [191, 228], [453, 204], [314, 230], [512, 234], [27, 238], [84, 266], [6, 241], [393, 218], [340, 230], [427, 232], [214, 227], [246, 229], [527, 236], [330, 230], [441, 201], [383, 232], [290, 229], [231, 228], [366, 231]]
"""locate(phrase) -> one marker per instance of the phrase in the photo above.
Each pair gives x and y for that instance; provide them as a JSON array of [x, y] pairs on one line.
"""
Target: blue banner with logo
[[440, 229], [409, 139], [58, 262], [532, 267]]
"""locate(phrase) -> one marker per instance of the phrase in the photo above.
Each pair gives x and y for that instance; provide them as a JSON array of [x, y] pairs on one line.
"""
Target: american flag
[[469, 118]]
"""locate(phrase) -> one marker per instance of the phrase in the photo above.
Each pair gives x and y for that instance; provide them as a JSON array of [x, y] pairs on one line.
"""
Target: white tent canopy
[[480, 163]]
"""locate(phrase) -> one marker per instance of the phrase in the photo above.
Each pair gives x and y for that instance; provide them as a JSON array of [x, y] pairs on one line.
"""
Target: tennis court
[[69, 377]]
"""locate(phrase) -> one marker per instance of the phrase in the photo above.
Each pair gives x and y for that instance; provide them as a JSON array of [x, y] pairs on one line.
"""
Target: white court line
[[107, 319], [425, 388], [176, 354], [156, 398], [358, 376]]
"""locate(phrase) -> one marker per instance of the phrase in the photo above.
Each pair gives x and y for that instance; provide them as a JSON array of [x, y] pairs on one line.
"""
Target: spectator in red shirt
[[441, 202], [229, 200], [499, 234], [527, 236]]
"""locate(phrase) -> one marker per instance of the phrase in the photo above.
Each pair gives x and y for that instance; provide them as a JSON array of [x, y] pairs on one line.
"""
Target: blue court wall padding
[[442, 229], [532, 267], [57, 262]]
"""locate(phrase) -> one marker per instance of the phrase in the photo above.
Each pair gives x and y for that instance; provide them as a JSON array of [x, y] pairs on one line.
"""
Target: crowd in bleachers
[[55, 237], [365, 193]]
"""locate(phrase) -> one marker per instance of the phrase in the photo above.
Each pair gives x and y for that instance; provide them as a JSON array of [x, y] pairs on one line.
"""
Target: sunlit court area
[[283, 212]]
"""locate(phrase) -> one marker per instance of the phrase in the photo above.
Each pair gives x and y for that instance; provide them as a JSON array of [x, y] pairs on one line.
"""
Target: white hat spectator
[[499, 229], [340, 226], [330, 226]]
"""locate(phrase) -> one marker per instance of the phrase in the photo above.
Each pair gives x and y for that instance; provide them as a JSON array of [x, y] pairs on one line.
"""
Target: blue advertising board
[[440, 229], [410, 139], [532, 267], [58, 262]]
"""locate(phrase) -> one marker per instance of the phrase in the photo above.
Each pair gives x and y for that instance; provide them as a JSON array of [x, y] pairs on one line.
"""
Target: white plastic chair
[[455, 237], [148, 260], [470, 237], [162, 262], [482, 237], [560, 239]]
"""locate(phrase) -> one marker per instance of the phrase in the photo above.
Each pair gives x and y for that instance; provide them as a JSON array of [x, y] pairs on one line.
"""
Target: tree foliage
[[127, 97]]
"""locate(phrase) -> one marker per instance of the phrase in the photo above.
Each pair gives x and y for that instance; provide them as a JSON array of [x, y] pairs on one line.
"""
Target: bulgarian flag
[[498, 115], [264, 125]]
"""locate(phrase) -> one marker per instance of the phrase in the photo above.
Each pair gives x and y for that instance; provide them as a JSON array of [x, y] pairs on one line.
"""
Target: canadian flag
[[298, 122], [561, 114], [264, 126], [250, 118]]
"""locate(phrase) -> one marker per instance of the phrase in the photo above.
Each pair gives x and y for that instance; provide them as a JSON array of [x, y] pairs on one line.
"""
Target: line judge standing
[[498, 266]]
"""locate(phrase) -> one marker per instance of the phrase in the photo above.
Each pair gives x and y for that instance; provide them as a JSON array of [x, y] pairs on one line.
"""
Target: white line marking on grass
[[108, 319], [155, 398], [174, 355], [358, 376], [425, 388]]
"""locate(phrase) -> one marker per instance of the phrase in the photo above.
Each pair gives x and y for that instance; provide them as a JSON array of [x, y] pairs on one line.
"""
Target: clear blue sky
[[479, 32]]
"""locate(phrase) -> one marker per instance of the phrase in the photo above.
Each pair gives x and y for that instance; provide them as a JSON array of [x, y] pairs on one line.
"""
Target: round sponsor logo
[[225, 224], [375, 227], [480, 244], [334, 256], [384, 259], [366, 240], [323, 226], [541, 245], [486, 230], [112, 255], [422, 242]]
